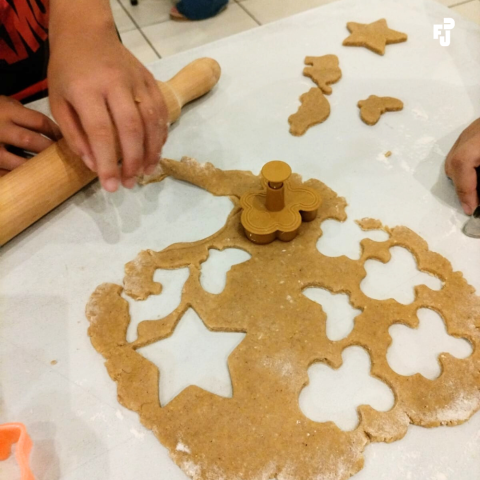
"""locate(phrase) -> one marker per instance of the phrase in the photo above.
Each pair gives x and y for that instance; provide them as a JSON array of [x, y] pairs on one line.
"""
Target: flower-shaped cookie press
[[279, 209]]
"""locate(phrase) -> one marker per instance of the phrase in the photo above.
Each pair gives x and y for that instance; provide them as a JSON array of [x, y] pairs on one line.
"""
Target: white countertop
[[48, 272]]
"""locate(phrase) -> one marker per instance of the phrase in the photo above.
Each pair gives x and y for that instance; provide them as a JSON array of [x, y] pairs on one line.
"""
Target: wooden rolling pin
[[48, 179]]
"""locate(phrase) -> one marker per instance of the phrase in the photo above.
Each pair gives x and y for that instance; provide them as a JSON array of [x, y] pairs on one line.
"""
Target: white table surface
[[48, 272]]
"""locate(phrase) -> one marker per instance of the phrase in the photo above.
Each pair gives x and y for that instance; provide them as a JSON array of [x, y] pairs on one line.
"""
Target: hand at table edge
[[461, 166]]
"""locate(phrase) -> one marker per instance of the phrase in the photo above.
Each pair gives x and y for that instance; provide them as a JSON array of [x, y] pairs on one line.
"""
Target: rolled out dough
[[260, 433]]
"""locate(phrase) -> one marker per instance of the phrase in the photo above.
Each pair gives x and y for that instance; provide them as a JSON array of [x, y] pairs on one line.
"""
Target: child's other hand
[[461, 164], [23, 128]]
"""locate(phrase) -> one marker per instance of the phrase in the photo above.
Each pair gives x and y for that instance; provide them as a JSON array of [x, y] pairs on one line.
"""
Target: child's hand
[[23, 128], [462, 160], [100, 94]]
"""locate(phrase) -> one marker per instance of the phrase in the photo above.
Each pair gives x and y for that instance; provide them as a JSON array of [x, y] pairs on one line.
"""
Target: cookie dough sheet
[[48, 273]]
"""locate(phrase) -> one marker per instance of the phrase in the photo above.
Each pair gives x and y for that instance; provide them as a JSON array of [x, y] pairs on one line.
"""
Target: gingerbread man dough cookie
[[373, 107], [323, 71], [374, 36], [314, 109]]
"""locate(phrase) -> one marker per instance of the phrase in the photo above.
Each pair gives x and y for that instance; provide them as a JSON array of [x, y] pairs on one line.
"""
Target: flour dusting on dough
[[157, 175], [182, 448], [191, 469], [460, 409], [282, 366]]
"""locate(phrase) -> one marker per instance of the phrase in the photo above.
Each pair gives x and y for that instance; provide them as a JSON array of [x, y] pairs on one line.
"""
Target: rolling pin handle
[[48, 179], [190, 83]]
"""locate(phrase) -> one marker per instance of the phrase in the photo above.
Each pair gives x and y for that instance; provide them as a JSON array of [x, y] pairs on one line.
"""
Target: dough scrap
[[374, 36], [261, 433], [323, 71], [373, 107], [314, 109]]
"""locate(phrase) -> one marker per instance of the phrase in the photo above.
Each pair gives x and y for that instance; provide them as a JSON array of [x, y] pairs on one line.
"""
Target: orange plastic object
[[11, 433], [277, 211]]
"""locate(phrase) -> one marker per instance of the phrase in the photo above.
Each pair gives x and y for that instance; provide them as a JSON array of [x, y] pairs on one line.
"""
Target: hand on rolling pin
[[462, 160], [24, 129], [102, 96]]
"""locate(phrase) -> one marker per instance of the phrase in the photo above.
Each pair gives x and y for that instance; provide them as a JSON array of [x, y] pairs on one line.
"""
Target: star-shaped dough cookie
[[374, 36]]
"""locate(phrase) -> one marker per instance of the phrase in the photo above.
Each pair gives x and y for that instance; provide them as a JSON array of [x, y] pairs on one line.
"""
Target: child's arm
[[25, 129], [100, 92], [461, 164]]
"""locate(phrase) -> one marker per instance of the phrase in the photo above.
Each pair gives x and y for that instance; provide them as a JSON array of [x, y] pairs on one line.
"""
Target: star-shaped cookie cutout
[[374, 36], [193, 355]]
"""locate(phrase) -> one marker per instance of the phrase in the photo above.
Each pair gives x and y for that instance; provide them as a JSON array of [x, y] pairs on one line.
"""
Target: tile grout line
[[462, 3], [137, 27], [240, 4], [149, 42]]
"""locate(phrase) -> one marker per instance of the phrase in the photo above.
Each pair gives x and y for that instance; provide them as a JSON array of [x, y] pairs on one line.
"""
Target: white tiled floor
[[266, 11], [148, 32], [450, 3], [122, 19], [137, 44], [172, 37], [148, 12], [470, 10]]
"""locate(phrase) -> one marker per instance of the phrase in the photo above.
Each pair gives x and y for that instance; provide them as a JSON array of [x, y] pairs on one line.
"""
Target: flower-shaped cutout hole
[[193, 355], [157, 306], [343, 238], [417, 350], [214, 270], [335, 395], [340, 314], [396, 278]]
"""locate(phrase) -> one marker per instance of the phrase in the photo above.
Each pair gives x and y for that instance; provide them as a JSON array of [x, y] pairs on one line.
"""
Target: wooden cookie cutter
[[11, 433], [277, 211]]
